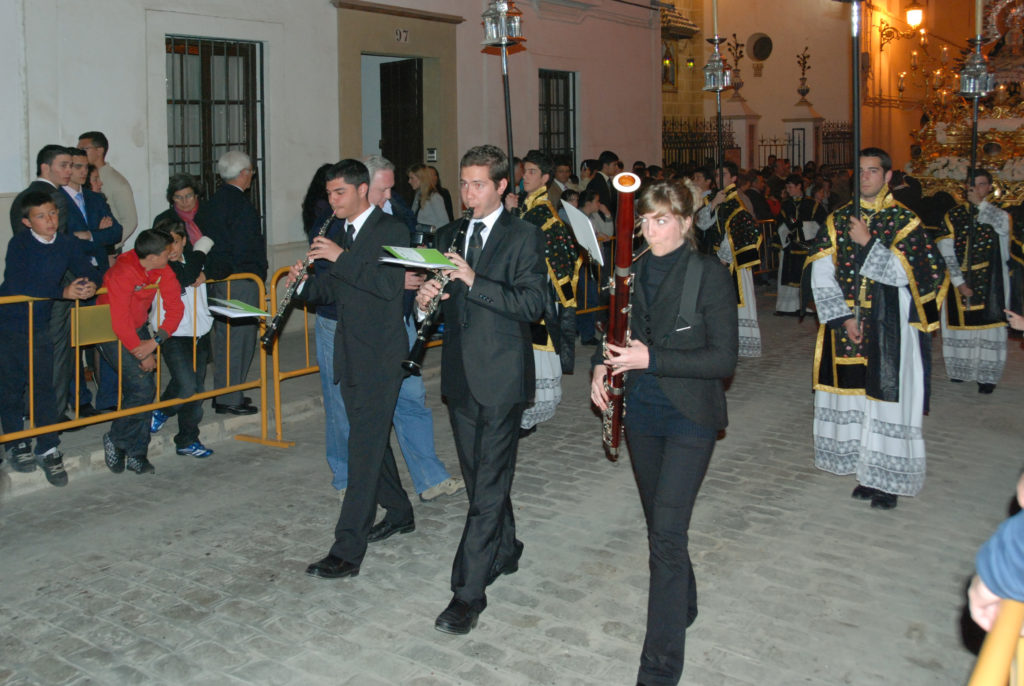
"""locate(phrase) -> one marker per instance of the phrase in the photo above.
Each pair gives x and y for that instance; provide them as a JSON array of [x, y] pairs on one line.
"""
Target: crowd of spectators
[[70, 227]]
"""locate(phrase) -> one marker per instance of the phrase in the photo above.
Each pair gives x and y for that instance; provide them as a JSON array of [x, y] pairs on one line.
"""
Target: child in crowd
[[130, 296], [188, 373], [37, 260]]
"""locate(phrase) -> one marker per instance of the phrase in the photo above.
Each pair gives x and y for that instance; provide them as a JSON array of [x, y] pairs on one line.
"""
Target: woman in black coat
[[678, 359]]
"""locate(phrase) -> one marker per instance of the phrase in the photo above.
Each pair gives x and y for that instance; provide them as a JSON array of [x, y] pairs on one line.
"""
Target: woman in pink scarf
[[183, 194]]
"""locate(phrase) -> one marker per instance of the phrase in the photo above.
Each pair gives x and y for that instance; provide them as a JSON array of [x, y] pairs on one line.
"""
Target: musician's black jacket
[[689, 359]]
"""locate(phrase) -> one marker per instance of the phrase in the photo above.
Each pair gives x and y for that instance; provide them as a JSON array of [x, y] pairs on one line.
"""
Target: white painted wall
[[100, 65], [72, 66]]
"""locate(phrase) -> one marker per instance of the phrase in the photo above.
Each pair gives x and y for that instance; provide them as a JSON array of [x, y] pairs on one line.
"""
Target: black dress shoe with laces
[[385, 529], [458, 618], [332, 567]]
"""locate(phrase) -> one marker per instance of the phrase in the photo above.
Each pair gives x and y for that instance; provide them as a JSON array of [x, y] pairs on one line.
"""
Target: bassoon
[[627, 184]]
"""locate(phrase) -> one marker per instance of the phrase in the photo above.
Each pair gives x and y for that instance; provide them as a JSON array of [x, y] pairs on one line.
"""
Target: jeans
[[669, 471], [14, 385], [336, 424], [185, 381], [131, 433], [413, 420]]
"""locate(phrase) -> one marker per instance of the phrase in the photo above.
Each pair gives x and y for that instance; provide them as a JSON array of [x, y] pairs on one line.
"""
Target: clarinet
[[620, 288], [414, 362], [286, 300]]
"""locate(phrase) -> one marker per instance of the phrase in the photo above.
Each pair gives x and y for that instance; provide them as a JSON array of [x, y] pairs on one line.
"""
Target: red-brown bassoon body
[[626, 184]]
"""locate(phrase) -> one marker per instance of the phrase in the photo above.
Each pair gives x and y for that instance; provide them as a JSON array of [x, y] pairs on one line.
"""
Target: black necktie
[[350, 236], [476, 244]]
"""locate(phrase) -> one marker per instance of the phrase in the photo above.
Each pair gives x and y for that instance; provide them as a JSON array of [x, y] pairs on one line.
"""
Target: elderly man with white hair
[[231, 220]]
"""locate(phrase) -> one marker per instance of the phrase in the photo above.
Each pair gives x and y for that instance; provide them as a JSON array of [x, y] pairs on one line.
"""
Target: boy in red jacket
[[130, 298]]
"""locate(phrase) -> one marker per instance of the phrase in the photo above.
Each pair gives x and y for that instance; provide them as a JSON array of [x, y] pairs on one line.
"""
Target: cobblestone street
[[195, 575]]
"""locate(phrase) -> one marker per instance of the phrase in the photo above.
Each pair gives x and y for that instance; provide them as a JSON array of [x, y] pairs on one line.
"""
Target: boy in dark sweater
[[36, 262], [130, 298]]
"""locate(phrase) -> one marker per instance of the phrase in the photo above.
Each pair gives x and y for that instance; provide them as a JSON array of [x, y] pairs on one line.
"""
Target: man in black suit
[[487, 372], [370, 343], [602, 181], [231, 221], [53, 171]]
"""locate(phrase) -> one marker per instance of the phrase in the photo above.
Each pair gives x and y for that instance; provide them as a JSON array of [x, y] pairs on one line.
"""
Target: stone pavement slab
[[194, 575]]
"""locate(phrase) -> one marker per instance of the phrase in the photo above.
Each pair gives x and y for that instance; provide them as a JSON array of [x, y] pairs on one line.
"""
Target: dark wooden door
[[401, 113]]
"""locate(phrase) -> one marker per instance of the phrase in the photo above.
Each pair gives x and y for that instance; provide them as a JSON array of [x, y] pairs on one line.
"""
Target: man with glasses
[[231, 221]]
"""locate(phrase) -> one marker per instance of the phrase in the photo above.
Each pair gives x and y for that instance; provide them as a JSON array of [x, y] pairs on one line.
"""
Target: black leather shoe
[[458, 618], [864, 493], [884, 501], [385, 529], [332, 567], [235, 409], [507, 566], [986, 388]]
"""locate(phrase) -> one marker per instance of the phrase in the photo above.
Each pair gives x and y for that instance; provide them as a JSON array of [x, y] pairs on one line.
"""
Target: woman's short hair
[[178, 183], [668, 197]]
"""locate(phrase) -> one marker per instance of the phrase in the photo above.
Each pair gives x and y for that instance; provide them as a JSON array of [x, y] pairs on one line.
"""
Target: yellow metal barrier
[[1001, 660], [89, 327]]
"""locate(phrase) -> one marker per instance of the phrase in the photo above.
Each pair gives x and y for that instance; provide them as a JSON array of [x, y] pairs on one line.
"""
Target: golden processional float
[[941, 149]]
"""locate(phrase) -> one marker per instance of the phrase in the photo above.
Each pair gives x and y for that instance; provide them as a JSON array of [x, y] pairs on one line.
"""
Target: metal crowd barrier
[[1001, 660], [90, 325]]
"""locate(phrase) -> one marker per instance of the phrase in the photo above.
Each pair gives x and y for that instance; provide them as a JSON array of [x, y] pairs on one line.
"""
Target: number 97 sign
[[401, 35]]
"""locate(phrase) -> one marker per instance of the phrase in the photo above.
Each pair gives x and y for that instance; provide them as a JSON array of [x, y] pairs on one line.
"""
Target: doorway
[[392, 101]]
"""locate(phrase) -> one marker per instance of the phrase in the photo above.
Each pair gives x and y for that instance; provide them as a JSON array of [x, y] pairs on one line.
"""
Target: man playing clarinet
[[487, 371], [369, 345]]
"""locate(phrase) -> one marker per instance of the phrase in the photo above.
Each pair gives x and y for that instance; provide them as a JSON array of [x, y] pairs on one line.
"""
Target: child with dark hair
[[130, 297], [187, 371], [37, 260]]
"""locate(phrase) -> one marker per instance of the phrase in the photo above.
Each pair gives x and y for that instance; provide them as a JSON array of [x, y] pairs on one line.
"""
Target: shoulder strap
[[691, 287]]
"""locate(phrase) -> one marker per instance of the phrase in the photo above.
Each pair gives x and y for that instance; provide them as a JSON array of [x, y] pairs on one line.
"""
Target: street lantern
[[915, 14], [502, 24], [503, 28], [716, 77]]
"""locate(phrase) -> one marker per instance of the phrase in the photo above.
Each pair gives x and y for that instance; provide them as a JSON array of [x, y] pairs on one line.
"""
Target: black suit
[[605, 192], [231, 221], [370, 343], [60, 198], [487, 375]]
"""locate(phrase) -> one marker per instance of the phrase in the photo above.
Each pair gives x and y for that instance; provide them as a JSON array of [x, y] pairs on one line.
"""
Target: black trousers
[[669, 471], [372, 473], [486, 439]]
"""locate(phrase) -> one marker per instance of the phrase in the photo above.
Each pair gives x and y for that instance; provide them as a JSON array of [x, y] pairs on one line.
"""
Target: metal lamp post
[[716, 79], [975, 83], [503, 28]]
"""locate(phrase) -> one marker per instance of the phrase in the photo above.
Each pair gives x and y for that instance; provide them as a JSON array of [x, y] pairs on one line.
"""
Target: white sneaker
[[449, 486]]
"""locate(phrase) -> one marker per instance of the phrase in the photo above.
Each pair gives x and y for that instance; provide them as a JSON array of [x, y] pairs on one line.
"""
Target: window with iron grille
[[558, 114], [215, 104]]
